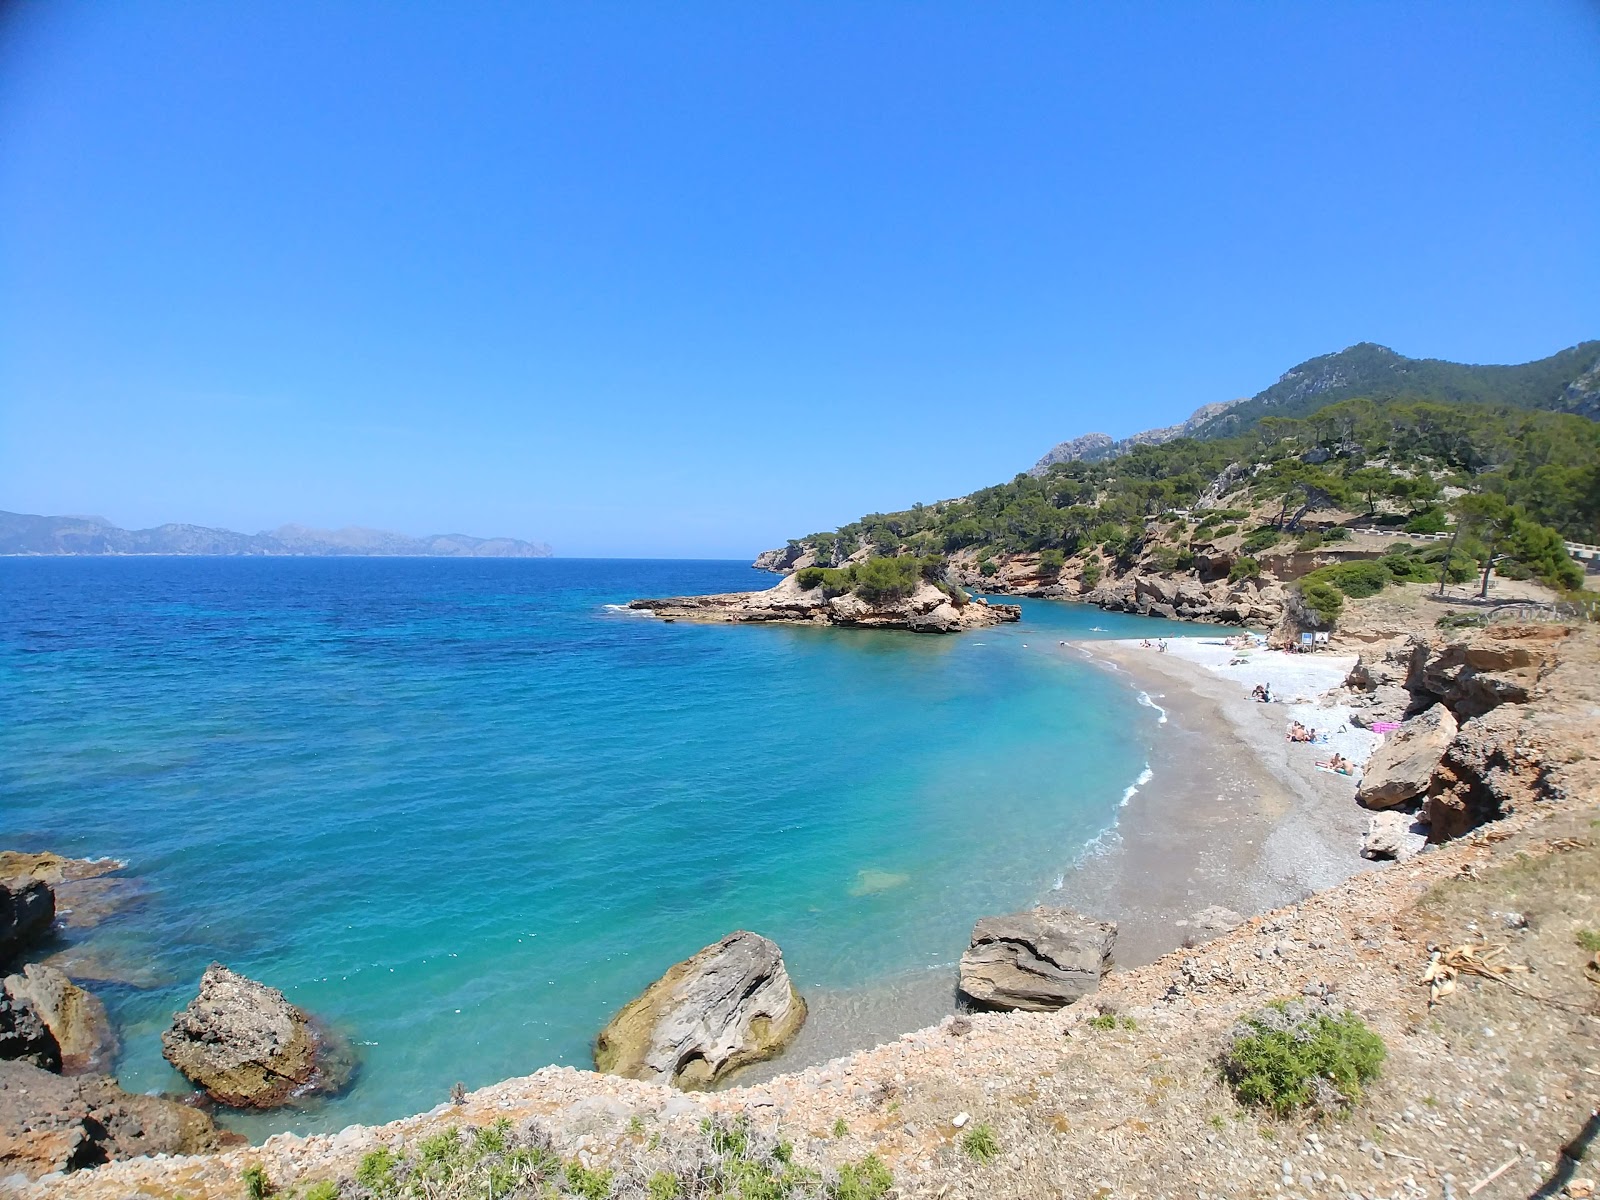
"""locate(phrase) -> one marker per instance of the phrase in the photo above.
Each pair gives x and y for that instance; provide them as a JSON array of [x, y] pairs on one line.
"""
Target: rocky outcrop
[[248, 1047], [24, 1037], [730, 1005], [1488, 768], [1393, 834], [1499, 665], [779, 561], [49, 1123], [928, 609], [27, 910], [1378, 682], [1040, 960], [76, 1019], [1402, 768], [1186, 597], [86, 890]]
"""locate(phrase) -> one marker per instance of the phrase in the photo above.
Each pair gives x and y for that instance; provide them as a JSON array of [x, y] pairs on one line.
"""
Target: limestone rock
[[1393, 834], [24, 1037], [779, 560], [1402, 768], [1213, 922], [1487, 770], [27, 910], [927, 609], [76, 1019], [1495, 666], [248, 1047], [729, 1005], [49, 1123], [1041, 959]]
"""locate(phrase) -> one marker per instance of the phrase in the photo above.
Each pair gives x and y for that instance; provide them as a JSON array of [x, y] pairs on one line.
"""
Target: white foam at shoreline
[[1161, 717], [1132, 790]]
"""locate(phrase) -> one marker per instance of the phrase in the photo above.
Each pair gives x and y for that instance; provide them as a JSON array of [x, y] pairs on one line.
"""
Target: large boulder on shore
[[1402, 768], [27, 910], [24, 1037], [248, 1047], [730, 1005], [76, 1019], [49, 1123], [1042, 959]]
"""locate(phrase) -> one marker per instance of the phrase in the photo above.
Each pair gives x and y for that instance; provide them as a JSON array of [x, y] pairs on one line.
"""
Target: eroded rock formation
[[248, 1047], [1041, 959], [1402, 768], [49, 1123], [730, 1005], [928, 609], [27, 910], [76, 1019]]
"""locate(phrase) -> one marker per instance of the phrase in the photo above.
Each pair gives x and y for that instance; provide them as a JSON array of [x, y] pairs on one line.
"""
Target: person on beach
[[1338, 764]]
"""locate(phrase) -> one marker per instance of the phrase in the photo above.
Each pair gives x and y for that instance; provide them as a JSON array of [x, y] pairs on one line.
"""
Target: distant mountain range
[[22, 533], [1564, 382]]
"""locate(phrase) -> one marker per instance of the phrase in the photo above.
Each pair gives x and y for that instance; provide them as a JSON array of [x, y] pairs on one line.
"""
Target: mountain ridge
[[30, 534], [1567, 381]]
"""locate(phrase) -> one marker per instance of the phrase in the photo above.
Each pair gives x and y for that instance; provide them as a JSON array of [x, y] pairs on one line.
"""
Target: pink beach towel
[[1385, 726]]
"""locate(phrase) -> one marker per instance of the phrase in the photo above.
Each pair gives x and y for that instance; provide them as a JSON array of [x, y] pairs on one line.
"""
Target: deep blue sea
[[463, 810]]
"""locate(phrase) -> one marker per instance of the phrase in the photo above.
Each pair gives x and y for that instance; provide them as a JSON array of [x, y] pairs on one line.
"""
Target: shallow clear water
[[464, 811]]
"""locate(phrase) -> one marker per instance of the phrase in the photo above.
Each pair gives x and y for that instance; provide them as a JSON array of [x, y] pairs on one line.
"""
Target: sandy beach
[[1230, 814], [1233, 814]]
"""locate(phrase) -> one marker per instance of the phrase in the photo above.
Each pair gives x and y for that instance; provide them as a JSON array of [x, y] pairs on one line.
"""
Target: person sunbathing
[[1338, 764]]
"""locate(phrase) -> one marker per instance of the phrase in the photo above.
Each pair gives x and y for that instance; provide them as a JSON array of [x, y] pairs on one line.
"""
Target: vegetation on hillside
[[1511, 483]]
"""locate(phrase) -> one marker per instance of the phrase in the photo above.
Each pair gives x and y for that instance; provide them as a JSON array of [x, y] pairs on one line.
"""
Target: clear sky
[[688, 279]]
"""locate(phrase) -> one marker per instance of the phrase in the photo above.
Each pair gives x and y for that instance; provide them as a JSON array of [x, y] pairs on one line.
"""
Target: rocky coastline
[[927, 608], [1120, 1089]]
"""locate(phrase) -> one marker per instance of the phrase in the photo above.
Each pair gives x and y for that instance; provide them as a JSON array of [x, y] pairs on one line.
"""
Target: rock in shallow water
[[248, 1047], [1040, 960], [730, 1005]]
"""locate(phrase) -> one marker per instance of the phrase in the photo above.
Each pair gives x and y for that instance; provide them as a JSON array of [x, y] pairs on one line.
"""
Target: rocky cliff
[[1092, 447]]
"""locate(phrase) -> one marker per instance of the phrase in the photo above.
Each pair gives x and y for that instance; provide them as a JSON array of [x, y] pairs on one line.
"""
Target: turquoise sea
[[463, 810]]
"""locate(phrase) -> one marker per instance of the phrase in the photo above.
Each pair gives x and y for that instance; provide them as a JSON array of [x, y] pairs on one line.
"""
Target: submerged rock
[[730, 1005], [248, 1047], [1040, 960], [1402, 768], [49, 1123], [27, 910], [76, 1019]]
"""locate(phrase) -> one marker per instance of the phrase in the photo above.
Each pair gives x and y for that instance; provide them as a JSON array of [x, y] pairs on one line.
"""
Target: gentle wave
[[1132, 790], [1161, 713]]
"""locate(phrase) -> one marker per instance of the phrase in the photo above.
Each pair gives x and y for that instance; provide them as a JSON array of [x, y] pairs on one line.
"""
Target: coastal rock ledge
[[248, 1047], [730, 1005], [927, 609], [1039, 960]]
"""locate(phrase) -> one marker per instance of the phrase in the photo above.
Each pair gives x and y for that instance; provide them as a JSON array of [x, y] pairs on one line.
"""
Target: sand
[[1233, 814]]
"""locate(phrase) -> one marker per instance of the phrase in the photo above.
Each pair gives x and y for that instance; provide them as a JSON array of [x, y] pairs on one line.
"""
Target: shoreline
[[1226, 812]]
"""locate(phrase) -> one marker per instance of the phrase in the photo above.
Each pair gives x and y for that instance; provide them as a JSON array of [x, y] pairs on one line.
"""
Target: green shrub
[[1092, 571], [256, 1184], [1337, 534], [1243, 568], [868, 1179], [1589, 940], [1323, 599], [1172, 558], [376, 1172], [588, 1183], [809, 577], [1258, 540], [1293, 1054], [980, 1144], [1225, 531], [1356, 579], [323, 1189], [1051, 562], [1308, 541], [1102, 1021], [840, 1129], [1429, 520], [987, 568], [879, 579], [664, 1185]]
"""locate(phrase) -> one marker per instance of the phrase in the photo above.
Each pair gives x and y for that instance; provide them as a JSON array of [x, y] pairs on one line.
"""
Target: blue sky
[[688, 279]]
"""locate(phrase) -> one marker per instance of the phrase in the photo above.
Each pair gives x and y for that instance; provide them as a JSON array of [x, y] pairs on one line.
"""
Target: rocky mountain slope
[[1565, 382], [23, 533]]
